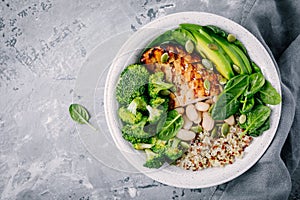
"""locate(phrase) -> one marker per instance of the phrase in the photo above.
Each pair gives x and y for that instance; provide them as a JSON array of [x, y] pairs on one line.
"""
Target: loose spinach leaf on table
[[80, 114], [169, 127], [269, 95]]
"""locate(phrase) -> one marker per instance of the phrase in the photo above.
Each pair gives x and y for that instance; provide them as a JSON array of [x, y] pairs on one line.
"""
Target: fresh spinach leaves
[[269, 95], [228, 101], [80, 114], [169, 127], [256, 118]]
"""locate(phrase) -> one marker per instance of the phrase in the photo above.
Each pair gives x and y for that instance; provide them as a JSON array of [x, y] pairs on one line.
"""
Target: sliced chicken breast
[[192, 80]]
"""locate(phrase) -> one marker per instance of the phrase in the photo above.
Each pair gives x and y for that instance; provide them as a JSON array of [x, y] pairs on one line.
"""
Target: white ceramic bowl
[[172, 175]]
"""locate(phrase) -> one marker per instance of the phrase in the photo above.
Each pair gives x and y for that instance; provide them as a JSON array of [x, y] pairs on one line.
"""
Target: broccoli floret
[[141, 146], [138, 103], [154, 114], [156, 84], [134, 140], [173, 150], [159, 146], [155, 102], [128, 117], [153, 160], [136, 130], [132, 83]]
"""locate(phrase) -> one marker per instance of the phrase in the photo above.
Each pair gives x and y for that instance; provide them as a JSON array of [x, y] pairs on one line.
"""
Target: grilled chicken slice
[[185, 71]]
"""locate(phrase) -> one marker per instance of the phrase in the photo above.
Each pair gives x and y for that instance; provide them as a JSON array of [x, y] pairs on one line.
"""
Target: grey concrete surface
[[43, 44]]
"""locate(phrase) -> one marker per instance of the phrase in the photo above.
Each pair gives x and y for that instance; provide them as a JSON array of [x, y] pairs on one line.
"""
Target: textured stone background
[[43, 44]]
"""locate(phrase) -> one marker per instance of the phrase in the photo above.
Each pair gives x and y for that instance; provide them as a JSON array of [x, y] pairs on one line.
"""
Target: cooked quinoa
[[206, 151]]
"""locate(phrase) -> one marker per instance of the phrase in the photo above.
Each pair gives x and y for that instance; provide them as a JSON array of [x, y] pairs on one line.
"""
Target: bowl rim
[[159, 175]]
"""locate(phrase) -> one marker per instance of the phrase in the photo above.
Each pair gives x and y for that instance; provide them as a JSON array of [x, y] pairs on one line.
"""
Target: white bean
[[199, 119], [207, 122], [230, 120], [185, 135], [180, 110], [201, 106], [187, 123], [191, 112]]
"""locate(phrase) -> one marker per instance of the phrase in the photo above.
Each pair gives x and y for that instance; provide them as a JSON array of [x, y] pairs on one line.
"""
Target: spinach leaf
[[237, 85], [216, 30], [80, 114], [226, 105], [257, 81], [261, 129], [255, 67], [248, 104], [171, 126], [269, 95], [256, 118]]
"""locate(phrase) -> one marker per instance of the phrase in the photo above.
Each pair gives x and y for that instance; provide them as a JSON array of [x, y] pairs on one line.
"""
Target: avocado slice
[[234, 56], [222, 63], [244, 58]]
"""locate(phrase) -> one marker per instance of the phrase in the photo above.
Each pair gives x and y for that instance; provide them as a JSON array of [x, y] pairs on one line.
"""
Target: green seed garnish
[[242, 119], [207, 84], [225, 129], [231, 38], [164, 58], [207, 63], [236, 68], [213, 46], [189, 46]]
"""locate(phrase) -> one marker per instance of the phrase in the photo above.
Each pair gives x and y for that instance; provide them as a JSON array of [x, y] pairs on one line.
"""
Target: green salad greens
[[148, 122]]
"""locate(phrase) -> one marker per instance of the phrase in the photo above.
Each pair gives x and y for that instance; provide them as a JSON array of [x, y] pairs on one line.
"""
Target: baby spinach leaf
[[269, 95], [248, 104], [171, 126], [226, 105], [256, 118], [257, 81], [261, 129], [80, 114], [237, 85]]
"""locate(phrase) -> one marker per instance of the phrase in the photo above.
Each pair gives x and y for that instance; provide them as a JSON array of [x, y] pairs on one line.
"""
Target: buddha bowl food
[[194, 99]]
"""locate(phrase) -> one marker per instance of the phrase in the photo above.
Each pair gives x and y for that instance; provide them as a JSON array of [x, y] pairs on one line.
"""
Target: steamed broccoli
[[128, 117], [153, 160], [134, 140], [138, 103], [159, 146], [132, 83], [155, 102], [156, 84], [136, 130], [154, 114], [141, 146], [174, 149]]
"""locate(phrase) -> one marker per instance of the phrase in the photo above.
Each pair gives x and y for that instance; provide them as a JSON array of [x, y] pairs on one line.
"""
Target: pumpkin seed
[[222, 80], [242, 119], [213, 46], [236, 68], [225, 129], [207, 84], [189, 46], [214, 133], [207, 63], [231, 38], [164, 58]]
